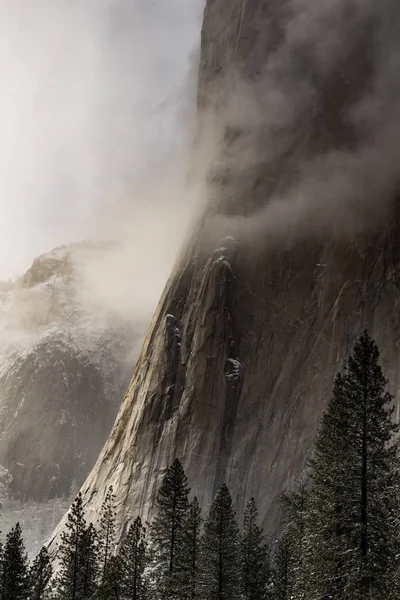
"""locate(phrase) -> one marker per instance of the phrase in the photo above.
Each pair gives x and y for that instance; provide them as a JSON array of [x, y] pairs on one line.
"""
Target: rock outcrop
[[61, 371], [239, 360]]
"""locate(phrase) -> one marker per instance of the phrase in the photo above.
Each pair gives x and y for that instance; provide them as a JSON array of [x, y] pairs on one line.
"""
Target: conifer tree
[[191, 551], [90, 563], [254, 556], [73, 580], [352, 537], [1, 571], [107, 531], [167, 532], [15, 567], [281, 575], [111, 587], [289, 572], [220, 574], [132, 559], [40, 574]]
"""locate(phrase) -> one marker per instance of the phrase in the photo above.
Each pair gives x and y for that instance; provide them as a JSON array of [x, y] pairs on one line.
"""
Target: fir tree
[[167, 532], [90, 563], [2, 581], [73, 579], [39, 575], [15, 567], [132, 559], [281, 575], [111, 587], [289, 573], [255, 557], [220, 576], [352, 538], [191, 551], [107, 531]]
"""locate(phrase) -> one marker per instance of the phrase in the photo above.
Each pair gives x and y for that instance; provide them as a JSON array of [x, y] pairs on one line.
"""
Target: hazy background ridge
[[93, 94]]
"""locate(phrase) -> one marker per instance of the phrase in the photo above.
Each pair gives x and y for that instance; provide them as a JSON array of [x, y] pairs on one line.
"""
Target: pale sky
[[92, 92]]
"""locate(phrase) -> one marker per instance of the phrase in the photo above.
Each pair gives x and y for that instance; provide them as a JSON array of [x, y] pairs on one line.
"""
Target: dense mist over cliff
[[323, 102], [97, 96]]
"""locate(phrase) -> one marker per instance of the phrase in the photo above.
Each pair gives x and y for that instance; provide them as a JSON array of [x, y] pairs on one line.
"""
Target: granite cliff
[[270, 293]]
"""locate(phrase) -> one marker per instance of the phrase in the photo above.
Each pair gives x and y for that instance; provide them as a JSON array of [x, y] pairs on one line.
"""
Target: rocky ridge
[[62, 370]]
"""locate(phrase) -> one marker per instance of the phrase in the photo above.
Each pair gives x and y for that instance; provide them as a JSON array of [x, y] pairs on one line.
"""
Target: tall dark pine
[[111, 587], [255, 557], [191, 551], [352, 533], [90, 564], [72, 577], [1, 571], [220, 575], [167, 532], [15, 567], [39, 575], [132, 559], [106, 533]]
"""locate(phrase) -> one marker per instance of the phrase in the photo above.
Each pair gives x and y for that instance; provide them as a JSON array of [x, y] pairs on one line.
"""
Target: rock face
[[239, 360], [61, 373]]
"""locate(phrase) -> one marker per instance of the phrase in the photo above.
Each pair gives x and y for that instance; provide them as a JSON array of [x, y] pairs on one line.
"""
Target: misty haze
[[199, 300]]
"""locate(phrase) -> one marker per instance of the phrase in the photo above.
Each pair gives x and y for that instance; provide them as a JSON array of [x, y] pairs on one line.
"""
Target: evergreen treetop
[[254, 557], [352, 539], [40, 574], [15, 567], [220, 577]]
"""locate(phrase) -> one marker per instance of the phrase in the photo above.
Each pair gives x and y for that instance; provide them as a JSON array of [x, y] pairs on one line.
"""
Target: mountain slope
[[62, 369], [291, 260]]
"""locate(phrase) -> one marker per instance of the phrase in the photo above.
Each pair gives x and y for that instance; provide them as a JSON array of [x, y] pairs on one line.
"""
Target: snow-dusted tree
[[106, 534], [220, 572], [256, 573], [191, 551], [167, 531], [40, 574], [132, 557], [352, 532], [282, 571], [15, 567], [289, 569], [76, 556]]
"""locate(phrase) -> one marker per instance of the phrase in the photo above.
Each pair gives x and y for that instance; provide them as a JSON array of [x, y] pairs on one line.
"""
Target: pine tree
[[289, 572], [191, 551], [90, 563], [107, 531], [132, 558], [254, 556], [167, 532], [220, 574], [15, 567], [281, 575], [2, 580], [39, 575], [76, 555], [352, 537], [111, 587]]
